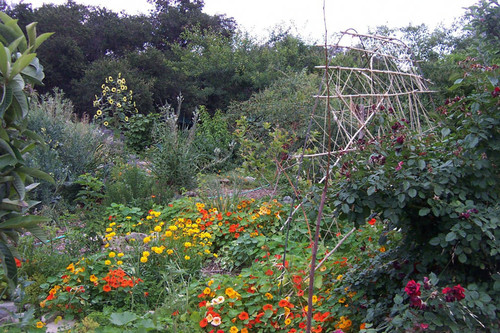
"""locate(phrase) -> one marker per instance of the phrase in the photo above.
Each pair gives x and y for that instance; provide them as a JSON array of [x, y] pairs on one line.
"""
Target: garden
[[233, 219]]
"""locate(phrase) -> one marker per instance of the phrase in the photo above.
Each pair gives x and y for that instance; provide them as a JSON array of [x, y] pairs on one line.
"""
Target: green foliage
[[139, 134], [91, 191], [173, 157], [484, 18], [440, 189], [213, 141], [131, 184], [73, 147], [263, 155], [18, 67]]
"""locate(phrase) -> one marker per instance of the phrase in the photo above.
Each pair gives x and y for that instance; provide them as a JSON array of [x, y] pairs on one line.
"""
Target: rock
[[7, 312]]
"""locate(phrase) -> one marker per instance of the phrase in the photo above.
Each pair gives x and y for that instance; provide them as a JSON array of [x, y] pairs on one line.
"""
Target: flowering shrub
[[88, 284], [115, 104]]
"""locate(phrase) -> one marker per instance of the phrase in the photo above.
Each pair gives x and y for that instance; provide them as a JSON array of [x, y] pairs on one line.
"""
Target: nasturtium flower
[[107, 262], [233, 329], [146, 239], [40, 324], [144, 259], [119, 262], [268, 296], [157, 228], [207, 291], [112, 254], [187, 257], [216, 321], [93, 278]]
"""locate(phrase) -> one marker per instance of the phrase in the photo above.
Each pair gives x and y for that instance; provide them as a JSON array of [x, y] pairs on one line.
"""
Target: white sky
[[258, 17]]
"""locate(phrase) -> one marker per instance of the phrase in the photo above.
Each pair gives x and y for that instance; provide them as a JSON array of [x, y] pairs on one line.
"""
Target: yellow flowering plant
[[115, 105]]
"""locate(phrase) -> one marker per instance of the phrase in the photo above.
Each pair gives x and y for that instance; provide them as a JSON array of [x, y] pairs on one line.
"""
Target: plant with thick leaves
[[19, 68]]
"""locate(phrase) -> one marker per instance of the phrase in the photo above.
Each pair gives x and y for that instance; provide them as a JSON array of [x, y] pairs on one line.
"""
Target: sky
[[259, 17]]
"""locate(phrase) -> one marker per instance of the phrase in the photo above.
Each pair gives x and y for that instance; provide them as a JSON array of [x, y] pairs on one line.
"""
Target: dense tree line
[[175, 50], [178, 49]]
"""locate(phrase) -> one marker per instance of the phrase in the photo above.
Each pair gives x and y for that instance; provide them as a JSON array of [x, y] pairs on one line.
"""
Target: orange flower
[[243, 315], [362, 326], [372, 221], [267, 307], [106, 288], [203, 322]]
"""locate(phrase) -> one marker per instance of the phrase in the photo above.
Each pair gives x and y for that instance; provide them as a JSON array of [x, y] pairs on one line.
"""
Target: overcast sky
[[306, 16]]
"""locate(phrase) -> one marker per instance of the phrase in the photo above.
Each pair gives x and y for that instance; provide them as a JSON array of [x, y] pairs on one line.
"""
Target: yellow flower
[[207, 291], [342, 300], [112, 254], [118, 105], [110, 79], [144, 259], [187, 257], [105, 123], [168, 233], [382, 249], [93, 278], [107, 262], [99, 112], [209, 283], [120, 254], [169, 251], [145, 253], [187, 244], [126, 118], [339, 277], [119, 262], [269, 296], [106, 245], [235, 329], [124, 98], [40, 324], [157, 228], [146, 239], [288, 321], [113, 89], [314, 299]]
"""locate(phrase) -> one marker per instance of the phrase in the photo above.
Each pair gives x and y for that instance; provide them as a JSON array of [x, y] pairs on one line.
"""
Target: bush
[[74, 146]]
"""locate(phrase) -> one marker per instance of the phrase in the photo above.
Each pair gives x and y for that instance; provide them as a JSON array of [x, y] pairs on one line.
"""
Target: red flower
[[202, 304], [454, 294], [297, 279], [269, 272], [50, 297], [203, 322], [267, 307], [243, 315], [412, 288], [372, 221], [106, 288], [18, 262], [283, 303]]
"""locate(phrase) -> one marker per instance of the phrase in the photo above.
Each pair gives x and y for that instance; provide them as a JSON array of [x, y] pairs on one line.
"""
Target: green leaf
[[31, 32], [412, 193], [4, 61], [434, 241], [398, 299], [23, 221], [318, 282], [121, 319], [445, 132], [6, 147], [451, 236], [42, 38], [37, 231], [37, 174], [6, 100], [21, 62], [421, 164], [8, 262], [18, 185], [371, 190], [424, 211]]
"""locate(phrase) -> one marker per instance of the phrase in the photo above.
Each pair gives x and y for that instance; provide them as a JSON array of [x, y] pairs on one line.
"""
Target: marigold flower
[[157, 228], [146, 239], [40, 324], [268, 296], [144, 259], [112, 254], [207, 291], [107, 262], [187, 257]]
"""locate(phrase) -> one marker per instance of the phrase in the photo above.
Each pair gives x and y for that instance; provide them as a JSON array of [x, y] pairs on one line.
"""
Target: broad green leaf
[[121, 319], [8, 262], [371, 190], [445, 132], [318, 282], [421, 164], [33, 136], [40, 39], [38, 232], [21, 62], [424, 211], [37, 174], [6, 100], [19, 185], [4, 145], [14, 45], [412, 193], [31, 32], [451, 236], [21, 99], [15, 205], [7, 160], [23, 221], [4, 61]]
